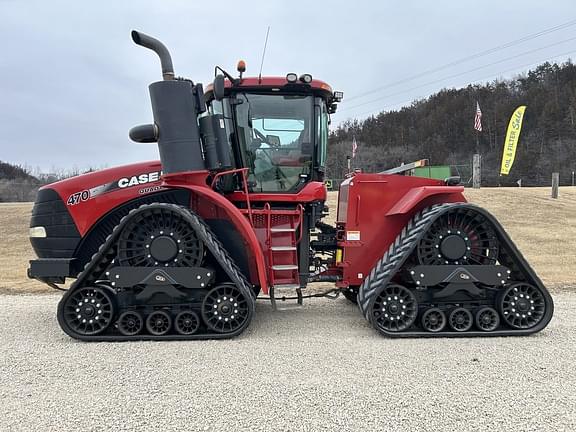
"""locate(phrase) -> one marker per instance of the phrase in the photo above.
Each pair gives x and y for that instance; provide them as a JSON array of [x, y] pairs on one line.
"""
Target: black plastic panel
[[62, 236]]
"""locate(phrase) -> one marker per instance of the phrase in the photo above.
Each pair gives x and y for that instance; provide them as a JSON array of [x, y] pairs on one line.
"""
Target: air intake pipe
[[176, 104]]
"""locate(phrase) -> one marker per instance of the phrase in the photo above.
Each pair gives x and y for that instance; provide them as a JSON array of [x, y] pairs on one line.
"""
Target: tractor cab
[[276, 127]]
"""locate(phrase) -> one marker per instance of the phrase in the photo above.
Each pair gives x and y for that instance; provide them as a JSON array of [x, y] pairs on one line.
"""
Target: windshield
[[275, 133]]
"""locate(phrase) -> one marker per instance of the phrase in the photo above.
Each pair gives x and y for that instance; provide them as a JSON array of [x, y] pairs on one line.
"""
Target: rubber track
[[101, 260], [405, 243]]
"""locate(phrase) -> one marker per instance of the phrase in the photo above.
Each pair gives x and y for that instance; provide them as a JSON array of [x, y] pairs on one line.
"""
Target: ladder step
[[281, 230], [282, 248], [285, 267]]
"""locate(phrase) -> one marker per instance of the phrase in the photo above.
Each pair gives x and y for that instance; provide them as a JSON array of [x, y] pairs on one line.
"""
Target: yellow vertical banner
[[512, 136]]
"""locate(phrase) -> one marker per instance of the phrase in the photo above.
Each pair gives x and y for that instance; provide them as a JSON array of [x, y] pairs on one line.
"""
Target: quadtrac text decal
[[123, 183]]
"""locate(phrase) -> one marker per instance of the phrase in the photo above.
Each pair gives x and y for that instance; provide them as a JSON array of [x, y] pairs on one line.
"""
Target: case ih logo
[[123, 183], [139, 179]]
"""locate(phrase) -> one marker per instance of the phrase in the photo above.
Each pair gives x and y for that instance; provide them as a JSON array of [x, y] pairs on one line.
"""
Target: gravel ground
[[316, 368]]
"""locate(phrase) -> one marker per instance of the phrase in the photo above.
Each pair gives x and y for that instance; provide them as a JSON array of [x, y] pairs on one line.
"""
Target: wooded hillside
[[440, 128]]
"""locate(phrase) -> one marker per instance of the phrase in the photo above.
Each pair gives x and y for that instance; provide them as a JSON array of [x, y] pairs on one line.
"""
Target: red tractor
[[180, 248]]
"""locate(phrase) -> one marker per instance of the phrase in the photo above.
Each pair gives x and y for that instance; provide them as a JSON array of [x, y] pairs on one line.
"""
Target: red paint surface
[[379, 206]]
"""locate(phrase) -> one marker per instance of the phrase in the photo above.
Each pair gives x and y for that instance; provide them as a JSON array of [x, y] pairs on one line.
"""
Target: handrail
[[301, 222], [243, 171]]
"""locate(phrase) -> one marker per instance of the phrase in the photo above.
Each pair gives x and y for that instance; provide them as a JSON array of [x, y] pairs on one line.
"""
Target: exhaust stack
[[160, 49], [176, 103]]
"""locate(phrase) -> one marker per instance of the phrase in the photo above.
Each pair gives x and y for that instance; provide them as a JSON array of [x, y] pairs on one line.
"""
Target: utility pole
[[476, 171]]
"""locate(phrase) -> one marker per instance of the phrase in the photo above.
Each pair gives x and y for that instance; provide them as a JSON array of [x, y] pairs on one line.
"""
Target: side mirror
[[452, 181], [273, 140], [218, 87]]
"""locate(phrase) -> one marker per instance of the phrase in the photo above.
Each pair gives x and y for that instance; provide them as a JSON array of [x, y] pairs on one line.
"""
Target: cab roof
[[274, 83]]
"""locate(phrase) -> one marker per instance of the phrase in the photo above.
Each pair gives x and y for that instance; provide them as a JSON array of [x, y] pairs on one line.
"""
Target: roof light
[[306, 78], [38, 232], [291, 77], [241, 66], [338, 96]]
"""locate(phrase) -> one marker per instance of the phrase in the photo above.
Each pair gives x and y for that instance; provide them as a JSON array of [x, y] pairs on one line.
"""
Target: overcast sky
[[72, 83]]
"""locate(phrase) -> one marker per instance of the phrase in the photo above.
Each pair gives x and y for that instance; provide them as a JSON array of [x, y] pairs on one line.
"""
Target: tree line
[[440, 128], [20, 183]]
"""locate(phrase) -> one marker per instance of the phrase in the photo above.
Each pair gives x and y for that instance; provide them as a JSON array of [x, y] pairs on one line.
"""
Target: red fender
[[415, 196], [239, 221]]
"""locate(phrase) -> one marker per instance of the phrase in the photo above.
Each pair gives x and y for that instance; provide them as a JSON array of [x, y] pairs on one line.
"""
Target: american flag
[[354, 147], [478, 118]]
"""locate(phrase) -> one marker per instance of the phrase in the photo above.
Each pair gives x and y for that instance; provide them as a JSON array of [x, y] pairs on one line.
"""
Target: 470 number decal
[[78, 197]]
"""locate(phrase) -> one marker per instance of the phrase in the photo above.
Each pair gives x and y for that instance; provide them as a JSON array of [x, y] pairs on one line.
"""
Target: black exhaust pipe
[[176, 104], [160, 49]]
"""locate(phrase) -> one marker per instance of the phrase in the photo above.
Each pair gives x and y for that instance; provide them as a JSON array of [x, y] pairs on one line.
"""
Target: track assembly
[[462, 274], [149, 289]]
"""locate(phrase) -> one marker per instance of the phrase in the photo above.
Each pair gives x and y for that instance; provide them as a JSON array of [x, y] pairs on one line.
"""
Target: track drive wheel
[[433, 320], [89, 311], [158, 323], [461, 319], [225, 309], [395, 309], [459, 236], [130, 323], [159, 237]]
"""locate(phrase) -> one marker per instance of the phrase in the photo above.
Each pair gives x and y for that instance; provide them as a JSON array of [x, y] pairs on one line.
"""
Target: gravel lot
[[317, 368]]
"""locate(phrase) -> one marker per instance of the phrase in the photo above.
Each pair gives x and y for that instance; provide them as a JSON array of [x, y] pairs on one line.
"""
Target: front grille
[[62, 236]]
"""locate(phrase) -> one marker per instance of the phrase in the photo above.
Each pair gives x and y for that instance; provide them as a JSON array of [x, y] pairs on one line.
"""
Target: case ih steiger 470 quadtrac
[[180, 248]]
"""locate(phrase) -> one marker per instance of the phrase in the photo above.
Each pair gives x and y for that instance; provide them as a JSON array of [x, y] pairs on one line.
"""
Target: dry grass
[[543, 228], [15, 250]]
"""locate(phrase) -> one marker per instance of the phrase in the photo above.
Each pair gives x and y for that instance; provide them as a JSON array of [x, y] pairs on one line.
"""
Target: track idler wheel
[[187, 323], [225, 309], [395, 309], [130, 323], [487, 319], [158, 323], [522, 305], [433, 320], [461, 319], [89, 311]]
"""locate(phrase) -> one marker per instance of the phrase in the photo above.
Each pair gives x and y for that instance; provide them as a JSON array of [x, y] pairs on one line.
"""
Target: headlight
[[38, 231], [291, 77]]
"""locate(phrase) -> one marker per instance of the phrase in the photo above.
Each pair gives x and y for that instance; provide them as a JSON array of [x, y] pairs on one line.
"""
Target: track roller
[[158, 323], [433, 320], [187, 323], [487, 319], [461, 319], [130, 323]]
